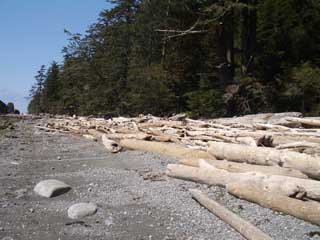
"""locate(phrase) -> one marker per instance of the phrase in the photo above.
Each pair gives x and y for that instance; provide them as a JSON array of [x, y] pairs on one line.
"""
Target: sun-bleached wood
[[164, 148], [266, 156], [208, 174], [307, 211], [110, 145], [245, 228], [243, 167]]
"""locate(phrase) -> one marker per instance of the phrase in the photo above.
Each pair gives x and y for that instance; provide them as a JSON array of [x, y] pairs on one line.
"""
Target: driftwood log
[[267, 156], [245, 228], [164, 148], [305, 121], [286, 186], [307, 211], [243, 167], [110, 145]]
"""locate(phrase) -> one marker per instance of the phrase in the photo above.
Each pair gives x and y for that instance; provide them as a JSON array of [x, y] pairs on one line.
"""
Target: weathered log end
[[110, 145]]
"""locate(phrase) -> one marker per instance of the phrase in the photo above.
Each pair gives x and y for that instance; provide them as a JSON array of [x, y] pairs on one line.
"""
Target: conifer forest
[[199, 57]]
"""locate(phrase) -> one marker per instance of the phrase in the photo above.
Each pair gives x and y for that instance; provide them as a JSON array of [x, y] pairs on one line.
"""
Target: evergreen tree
[[207, 58], [51, 89], [36, 105]]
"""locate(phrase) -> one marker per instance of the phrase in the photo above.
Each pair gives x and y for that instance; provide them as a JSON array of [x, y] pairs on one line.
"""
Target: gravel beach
[[135, 199]]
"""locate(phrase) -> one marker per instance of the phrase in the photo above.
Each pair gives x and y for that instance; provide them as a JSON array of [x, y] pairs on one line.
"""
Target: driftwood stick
[[51, 129], [307, 211], [300, 145], [137, 135], [245, 228]]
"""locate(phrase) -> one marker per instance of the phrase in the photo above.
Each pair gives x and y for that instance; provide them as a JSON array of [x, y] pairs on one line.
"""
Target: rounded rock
[[51, 188], [81, 210]]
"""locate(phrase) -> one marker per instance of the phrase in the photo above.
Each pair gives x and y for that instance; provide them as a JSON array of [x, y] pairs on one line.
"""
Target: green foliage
[[205, 103], [288, 34], [36, 104], [207, 58], [249, 97], [303, 89]]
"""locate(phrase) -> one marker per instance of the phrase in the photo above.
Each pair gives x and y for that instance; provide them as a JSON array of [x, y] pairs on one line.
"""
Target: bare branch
[[183, 32]]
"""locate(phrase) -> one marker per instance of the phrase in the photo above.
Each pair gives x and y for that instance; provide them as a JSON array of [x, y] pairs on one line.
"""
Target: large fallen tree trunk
[[266, 156], [305, 121], [308, 211], [245, 228], [208, 174], [165, 148], [243, 167]]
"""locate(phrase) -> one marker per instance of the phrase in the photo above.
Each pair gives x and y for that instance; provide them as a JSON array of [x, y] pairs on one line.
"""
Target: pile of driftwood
[[269, 159]]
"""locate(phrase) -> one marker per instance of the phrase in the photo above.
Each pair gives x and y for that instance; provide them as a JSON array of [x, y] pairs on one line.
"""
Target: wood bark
[[245, 228], [208, 174], [307, 211], [172, 150], [243, 167], [267, 156]]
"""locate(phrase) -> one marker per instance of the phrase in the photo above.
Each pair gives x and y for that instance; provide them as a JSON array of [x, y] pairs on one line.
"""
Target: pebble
[[108, 221], [51, 188], [81, 210]]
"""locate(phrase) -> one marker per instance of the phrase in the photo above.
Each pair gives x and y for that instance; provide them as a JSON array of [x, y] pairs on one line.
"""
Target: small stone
[[51, 188], [81, 210], [21, 193], [59, 158], [108, 221]]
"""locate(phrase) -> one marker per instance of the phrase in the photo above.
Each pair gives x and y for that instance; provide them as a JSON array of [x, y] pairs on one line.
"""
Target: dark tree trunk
[[226, 50], [248, 37]]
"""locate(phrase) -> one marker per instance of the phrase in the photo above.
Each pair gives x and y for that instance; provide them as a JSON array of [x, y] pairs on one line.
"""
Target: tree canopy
[[205, 58]]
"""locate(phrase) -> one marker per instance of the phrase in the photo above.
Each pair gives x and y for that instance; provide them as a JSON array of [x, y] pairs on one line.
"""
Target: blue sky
[[31, 34]]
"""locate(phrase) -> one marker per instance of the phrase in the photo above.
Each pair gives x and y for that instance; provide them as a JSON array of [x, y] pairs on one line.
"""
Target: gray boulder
[[81, 210], [51, 188], [10, 108], [3, 108]]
